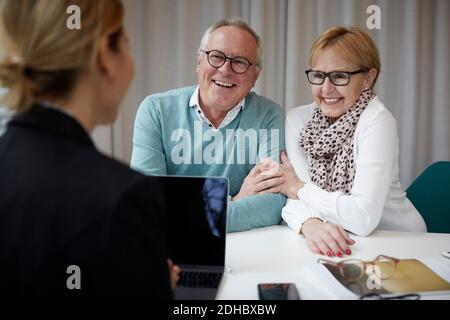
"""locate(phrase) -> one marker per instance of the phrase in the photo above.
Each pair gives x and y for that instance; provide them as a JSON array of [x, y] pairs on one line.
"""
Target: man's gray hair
[[238, 23]]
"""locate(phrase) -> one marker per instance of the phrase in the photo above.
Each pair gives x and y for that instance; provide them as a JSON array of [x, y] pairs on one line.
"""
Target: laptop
[[197, 211]]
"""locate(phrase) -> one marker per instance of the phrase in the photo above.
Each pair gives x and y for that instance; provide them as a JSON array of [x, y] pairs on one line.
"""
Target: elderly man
[[219, 127]]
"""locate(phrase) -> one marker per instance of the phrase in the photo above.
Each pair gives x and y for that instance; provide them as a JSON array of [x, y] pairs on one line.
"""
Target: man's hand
[[280, 177], [257, 183]]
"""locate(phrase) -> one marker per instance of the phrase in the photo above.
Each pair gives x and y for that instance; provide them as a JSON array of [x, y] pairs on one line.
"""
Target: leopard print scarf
[[329, 147]]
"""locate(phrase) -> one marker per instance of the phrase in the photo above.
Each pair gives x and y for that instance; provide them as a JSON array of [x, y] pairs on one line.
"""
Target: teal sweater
[[170, 139]]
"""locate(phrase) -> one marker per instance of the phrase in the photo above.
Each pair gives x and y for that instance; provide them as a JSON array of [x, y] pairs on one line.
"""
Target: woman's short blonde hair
[[352, 44], [40, 55]]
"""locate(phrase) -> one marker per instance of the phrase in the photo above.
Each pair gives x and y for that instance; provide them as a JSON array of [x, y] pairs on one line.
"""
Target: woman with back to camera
[[63, 203], [342, 172]]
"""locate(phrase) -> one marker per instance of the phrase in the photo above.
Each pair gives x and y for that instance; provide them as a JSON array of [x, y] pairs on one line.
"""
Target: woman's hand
[[287, 181], [174, 273], [326, 238], [259, 182], [291, 183]]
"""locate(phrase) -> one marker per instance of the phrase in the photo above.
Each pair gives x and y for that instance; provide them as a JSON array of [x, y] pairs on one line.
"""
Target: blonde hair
[[40, 55], [352, 44]]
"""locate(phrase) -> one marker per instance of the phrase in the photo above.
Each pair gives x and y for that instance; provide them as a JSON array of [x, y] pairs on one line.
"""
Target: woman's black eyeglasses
[[338, 78]]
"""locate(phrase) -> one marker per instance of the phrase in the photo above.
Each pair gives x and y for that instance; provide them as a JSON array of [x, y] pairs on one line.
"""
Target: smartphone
[[278, 291]]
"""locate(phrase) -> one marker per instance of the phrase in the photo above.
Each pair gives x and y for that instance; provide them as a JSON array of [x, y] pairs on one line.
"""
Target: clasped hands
[[269, 176]]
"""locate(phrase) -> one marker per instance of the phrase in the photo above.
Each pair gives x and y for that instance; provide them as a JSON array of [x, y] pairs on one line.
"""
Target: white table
[[274, 254]]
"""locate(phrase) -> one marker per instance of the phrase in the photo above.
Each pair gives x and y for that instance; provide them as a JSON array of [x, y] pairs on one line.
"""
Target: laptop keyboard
[[199, 279]]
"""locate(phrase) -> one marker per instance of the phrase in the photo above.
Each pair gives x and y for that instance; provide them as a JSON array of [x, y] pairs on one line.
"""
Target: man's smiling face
[[221, 88]]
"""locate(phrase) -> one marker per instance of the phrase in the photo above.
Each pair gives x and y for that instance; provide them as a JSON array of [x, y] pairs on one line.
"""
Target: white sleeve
[[296, 212], [297, 156], [360, 212]]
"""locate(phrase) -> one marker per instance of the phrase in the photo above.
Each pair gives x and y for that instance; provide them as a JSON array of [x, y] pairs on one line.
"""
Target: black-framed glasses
[[338, 78], [217, 59], [354, 269]]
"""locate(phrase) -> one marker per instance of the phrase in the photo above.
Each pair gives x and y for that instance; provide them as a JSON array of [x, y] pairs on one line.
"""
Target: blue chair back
[[430, 194]]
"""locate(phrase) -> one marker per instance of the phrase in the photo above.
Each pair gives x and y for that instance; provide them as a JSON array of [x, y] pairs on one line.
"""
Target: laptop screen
[[196, 209]]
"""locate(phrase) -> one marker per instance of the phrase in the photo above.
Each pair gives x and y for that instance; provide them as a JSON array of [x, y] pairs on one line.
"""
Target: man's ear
[[198, 62], [105, 57], [257, 72]]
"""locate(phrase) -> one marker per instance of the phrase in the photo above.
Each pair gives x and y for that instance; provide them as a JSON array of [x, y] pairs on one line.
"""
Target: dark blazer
[[63, 203]]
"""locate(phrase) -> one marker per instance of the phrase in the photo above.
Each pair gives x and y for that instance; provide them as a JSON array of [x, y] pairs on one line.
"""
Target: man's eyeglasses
[[217, 59], [354, 269], [338, 78]]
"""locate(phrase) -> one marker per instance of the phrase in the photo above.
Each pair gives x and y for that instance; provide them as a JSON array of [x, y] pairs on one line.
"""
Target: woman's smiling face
[[333, 100]]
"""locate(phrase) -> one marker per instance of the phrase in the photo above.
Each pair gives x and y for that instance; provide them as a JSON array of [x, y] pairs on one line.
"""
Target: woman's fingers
[[324, 248], [333, 245], [340, 241], [328, 238], [285, 159], [174, 273], [314, 248], [332, 241], [347, 238]]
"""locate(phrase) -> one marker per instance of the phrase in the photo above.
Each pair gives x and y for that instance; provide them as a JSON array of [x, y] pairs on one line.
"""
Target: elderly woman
[[342, 172]]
